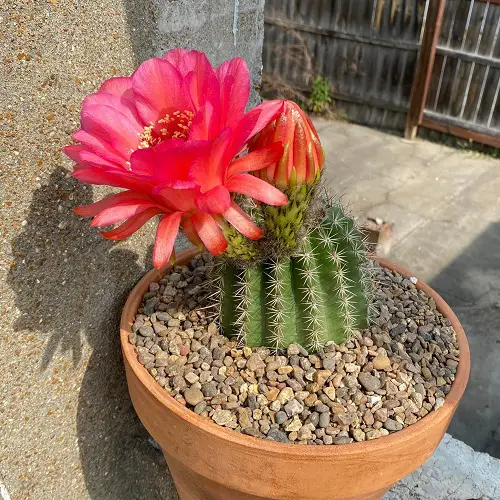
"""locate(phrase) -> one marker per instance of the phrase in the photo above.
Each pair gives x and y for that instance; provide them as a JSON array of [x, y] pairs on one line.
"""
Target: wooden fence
[[369, 51]]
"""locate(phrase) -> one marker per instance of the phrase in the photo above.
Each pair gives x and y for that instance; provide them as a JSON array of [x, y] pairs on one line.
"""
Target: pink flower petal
[[202, 82], [251, 123], [257, 189], [120, 212], [98, 176], [94, 208], [200, 77], [206, 123], [168, 165], [182, 59], [256, 160], [242, 222], [111, 126], [269, 110], [158, 88], [176, 199], [100, 147], [120, 86], [142, 161], [166, 234], [83, 156], [209, 167], [190, 232], [124, 106], [130, 226], [235, 90], [215, 201], [210, 233]]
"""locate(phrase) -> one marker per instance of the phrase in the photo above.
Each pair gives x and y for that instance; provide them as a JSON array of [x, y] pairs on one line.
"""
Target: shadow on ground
[[471, 286], [141, 21], [70, 285]]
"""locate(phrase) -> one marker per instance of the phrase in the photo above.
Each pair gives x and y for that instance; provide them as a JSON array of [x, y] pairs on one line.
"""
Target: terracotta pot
[[209, 462]]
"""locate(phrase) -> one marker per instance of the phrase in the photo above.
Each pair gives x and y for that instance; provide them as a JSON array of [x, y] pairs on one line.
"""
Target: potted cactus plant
[[286, 331]]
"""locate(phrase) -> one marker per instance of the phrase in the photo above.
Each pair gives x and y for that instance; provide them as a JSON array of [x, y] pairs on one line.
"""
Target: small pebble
[[222, 417], [324, 419], [146, 331], [382, 362], [191, 377], [193, 396], [369, 382], [392, 425], [293, 407]]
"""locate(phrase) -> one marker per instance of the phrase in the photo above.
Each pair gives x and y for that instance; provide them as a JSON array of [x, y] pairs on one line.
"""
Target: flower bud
[[303, 156]]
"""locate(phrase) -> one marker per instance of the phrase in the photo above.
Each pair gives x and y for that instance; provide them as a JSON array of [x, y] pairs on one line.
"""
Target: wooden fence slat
[[291, 25], [483, 138], [497, 2], [423, 73]]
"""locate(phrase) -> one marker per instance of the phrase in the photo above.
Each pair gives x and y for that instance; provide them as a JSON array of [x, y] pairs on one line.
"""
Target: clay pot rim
[[304, 452]]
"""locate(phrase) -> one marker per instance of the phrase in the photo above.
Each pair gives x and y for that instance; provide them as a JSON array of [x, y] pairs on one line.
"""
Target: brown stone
[[330, 392], [368, 418], [382, 362]]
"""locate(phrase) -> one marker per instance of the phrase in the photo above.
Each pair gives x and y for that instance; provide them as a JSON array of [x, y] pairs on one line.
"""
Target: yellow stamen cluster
[[147, 138], [173, 126]]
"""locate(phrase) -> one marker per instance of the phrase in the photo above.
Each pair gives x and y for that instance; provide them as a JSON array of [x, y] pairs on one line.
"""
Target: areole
[[209, 462]]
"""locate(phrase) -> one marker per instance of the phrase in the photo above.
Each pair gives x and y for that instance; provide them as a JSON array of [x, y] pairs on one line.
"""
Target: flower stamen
[[174, 125]]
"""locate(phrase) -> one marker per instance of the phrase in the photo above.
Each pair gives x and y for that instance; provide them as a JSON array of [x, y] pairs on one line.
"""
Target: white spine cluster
[[275, 303], [314, 300], [241, 321], [215, 285]]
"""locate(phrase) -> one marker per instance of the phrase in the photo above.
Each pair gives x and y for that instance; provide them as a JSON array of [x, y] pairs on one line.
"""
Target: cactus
[[319, 294]]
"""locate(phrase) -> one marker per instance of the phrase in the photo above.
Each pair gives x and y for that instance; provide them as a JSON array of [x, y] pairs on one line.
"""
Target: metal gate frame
[[421, 83]]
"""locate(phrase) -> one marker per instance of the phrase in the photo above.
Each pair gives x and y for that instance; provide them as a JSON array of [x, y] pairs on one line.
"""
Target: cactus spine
[[320, 293]]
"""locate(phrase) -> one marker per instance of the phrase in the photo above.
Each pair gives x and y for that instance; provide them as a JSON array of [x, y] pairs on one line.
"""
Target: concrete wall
[[67, 426]]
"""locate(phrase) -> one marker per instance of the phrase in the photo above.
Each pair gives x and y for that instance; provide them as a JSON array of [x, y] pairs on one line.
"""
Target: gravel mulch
[[385, 378]]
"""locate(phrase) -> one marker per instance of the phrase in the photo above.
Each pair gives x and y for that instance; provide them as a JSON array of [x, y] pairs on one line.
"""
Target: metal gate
[[456, 88]]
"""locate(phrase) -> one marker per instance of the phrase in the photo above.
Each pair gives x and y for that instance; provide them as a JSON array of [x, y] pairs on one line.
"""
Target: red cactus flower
[[180, 96], [171, 135], [303, 156], [197, 207]]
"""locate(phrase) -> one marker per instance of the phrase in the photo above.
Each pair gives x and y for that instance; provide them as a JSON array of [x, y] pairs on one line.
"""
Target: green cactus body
[[317, 295], [240, 248]]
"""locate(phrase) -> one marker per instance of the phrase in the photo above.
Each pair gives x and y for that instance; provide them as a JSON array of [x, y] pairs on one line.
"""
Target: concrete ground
[[67, 428], [454, 472]]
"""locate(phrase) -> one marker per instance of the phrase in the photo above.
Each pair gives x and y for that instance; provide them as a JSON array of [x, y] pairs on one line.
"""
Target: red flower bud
[[303, 156]]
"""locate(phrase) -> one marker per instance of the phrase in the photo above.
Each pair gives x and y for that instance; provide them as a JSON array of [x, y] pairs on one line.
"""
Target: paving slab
[[454, 472]]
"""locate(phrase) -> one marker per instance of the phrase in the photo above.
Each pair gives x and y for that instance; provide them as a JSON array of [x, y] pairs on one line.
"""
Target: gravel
[[382, 380]]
